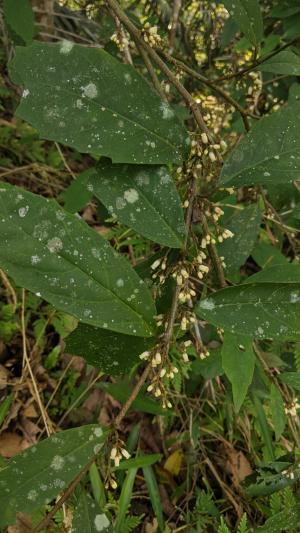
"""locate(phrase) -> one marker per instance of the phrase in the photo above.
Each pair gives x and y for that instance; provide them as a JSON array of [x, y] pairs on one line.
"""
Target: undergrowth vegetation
[[149, 266]]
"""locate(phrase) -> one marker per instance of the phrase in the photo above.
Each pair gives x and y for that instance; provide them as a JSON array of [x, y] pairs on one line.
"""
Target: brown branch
[[174, 23], [259, 61], [214, 255], [136, 34], [226, 96], [151, 72]]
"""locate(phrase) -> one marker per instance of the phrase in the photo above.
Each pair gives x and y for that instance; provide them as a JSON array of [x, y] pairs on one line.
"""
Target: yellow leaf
[[174, 462]]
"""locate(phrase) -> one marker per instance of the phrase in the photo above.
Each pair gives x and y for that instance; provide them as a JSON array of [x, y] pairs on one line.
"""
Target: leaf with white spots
[[84, 98], [285, 62], [247, 15], [36, 476], [142, 197], [238, 361], [111, 352], [260, 310], [88, 517], [268, 154], [282, 273], [55, 254], [245, 225]]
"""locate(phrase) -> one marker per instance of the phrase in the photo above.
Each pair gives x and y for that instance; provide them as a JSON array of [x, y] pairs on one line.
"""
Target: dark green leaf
[[88, 517], [292, 379], [77, 195], [20, 20], [125, 499], [154, 494], [122, 390], [210, 367], [285, 273], [245, 226], [37, 475], [277, 411], [270, 153], [285, 520], [84, 98], [248, 17], [144, 198], [140, 461], [54, 253], [285, 62], [113, 353], [266, 255], [238, 361], [261, 310]]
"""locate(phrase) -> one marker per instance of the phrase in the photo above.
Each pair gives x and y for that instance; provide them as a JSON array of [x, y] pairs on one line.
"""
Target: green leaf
[[88, 516], [55, 254], [121, 392], [20, 20], [5, 406], [261, 310], [140, 461], [278, 415], [285, 273], [266, 255], [84, 98], [245, 225], [285, 520], [142, 197], [77, 195], [292, 379], [285, 62], [113, 353], [125, 498], [269, 153], [285, 8], [36, 476], [238, 361], [264, 428], [248, 17], [154, 494]]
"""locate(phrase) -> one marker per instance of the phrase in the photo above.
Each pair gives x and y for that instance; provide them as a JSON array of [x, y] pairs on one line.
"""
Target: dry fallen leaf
[[237, 465], [11, 444]]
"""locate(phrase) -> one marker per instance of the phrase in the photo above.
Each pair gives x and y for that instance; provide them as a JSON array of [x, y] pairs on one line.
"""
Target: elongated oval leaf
[[20, 20], [114, 353], [262, 310], [37, 475], [270, 153], [285, 273], [285, 62], [88, 517], [245, 226], [278, 415], [144, 198], [238, 361], [52, 252], [248, 17], [84, 98]]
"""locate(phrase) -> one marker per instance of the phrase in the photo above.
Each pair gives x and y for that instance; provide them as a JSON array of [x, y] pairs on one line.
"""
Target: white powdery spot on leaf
[[54, 245], [23, 211], [90, 90], [35, 259], [131, 196], [207, 304], [25, 93], [167, 112], [294, 298], [32, 495], [120, 282], [57, 462], [120, 203], [101, 522], [66, 46], [98, 432]]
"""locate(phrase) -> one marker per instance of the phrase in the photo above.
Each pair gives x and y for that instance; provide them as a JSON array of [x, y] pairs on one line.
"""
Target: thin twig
[[226, 96], [10, 289], [214, 254], [27, 362], [66, 494]]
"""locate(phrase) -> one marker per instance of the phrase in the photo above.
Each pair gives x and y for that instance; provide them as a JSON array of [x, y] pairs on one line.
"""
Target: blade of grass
[[154, 495], [125, 497]]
